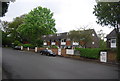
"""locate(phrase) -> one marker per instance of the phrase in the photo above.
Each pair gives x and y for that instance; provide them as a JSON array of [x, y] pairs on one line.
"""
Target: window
[[63, 40], [58, 34], [113, 40], [93, 34], [67, 33], [93, 42]]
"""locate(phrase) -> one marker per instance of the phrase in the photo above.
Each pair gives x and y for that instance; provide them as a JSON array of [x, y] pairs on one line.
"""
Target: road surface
[[28, 65]]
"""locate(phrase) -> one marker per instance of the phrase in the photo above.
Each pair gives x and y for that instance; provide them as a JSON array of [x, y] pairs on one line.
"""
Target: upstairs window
[[63, 40], [58, 34], [93, 34]]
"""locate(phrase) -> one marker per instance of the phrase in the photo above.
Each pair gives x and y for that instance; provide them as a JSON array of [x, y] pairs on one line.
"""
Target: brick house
[[111, 39], [62, 40]]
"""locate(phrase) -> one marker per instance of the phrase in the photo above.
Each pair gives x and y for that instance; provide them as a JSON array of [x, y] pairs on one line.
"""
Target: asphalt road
[[28, 65]]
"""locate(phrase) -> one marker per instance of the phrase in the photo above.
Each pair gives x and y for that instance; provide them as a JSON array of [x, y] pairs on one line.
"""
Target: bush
[[28, 45], [89, 52], [17, 43], [53, 46]]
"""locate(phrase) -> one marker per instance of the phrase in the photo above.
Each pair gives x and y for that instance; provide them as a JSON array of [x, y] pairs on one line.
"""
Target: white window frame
[[113, 44], [93, 42], [93, 34]]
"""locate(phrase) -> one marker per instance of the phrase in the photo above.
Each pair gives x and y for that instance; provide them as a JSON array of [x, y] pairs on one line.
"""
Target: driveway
[[29, 65]]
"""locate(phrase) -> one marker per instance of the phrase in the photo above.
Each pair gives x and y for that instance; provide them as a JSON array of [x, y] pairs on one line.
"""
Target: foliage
[[38, 42], [5, 25], [89, 52], [28, 45], [6, 40], [103, 44], [82, 36], [54, 46], [12, 28], [37, 23], [17, 43], [108, 13]]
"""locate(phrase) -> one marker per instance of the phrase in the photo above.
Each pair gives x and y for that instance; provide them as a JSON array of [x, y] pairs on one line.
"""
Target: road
[[28, 65]]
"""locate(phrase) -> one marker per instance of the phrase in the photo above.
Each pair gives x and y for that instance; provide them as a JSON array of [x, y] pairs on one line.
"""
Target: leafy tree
[[101, 35], [12, 28], [9, 33], [6, 40], [82, 36], [108, 13], [38, 22], [4, 25]]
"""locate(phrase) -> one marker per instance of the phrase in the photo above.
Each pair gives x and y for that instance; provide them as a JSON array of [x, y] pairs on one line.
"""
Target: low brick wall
[[111, 56], [55, 50]]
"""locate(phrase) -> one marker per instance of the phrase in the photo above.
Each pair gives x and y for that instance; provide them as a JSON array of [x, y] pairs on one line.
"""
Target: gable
[[112, 34]]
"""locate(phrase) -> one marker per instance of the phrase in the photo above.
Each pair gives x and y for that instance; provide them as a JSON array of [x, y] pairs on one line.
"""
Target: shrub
[[89, 52], [28, 45], [53, 46], [17, 43]]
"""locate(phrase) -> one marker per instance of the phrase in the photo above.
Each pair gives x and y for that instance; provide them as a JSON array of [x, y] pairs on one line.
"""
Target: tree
[[82, 36], [101, 35], [38, 22], [4, 25], [13, 26], [108, 13]]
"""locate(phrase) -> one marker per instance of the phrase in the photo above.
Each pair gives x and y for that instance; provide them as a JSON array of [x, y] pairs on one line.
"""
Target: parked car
[[17, 47], [47, 52]]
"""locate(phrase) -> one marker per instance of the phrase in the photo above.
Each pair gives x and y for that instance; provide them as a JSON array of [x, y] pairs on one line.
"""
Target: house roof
[[55, 36], [112, 34], [61, 35]]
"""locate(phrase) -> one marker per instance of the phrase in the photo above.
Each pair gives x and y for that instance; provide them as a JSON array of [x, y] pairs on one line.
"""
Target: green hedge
[[28, 45], [89, 52], [53, 46]]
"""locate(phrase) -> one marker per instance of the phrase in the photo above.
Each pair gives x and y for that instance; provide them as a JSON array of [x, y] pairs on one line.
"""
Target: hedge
[[89, 52], [28, 45]]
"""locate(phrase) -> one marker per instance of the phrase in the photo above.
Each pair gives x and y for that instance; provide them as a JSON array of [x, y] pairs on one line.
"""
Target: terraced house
[[62, 40]]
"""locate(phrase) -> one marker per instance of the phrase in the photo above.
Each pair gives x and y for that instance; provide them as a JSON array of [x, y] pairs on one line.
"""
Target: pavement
[[29, 65]]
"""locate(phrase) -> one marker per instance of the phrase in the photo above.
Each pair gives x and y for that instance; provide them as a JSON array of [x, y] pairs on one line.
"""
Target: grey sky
[[69, 14]]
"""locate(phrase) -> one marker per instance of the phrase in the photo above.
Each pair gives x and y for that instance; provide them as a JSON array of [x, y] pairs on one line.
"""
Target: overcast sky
[[69, 14]]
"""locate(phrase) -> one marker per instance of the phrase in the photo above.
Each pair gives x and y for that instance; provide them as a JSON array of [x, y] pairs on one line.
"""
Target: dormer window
[[67, 33], [58, 34]]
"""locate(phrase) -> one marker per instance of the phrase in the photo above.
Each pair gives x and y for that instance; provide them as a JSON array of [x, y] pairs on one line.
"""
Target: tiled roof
[[61, 35], [111, 35]]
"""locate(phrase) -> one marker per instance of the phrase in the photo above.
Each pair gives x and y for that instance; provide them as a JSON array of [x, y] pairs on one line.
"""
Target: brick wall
[[68, 43]]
